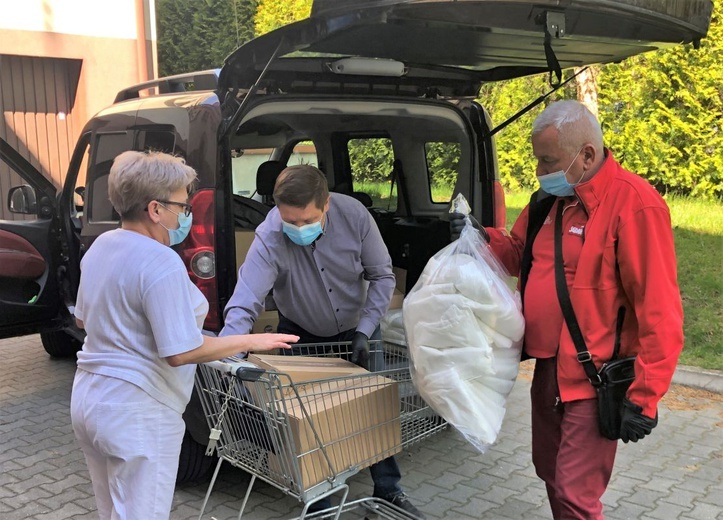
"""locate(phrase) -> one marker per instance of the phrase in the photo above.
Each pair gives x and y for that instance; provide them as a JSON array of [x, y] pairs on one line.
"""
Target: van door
[[497, 39], [30, 251]]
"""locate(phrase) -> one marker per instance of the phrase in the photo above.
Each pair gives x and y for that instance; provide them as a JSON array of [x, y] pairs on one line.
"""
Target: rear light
[[199, 254], [500, 215], [203, 265]]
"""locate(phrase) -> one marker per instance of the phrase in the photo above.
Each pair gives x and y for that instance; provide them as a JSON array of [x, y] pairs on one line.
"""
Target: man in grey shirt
[[332, 280]]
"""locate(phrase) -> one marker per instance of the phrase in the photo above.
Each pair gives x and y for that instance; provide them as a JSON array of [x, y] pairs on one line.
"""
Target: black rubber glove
[[634, 425], [360, 350], [457, 222]]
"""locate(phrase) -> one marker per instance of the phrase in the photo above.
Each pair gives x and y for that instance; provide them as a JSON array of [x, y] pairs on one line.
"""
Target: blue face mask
[[556, 183], [176, 236], [302, 235]]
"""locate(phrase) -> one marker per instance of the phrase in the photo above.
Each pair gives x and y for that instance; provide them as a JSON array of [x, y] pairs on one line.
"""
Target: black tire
[[59, 344], [193, 464]]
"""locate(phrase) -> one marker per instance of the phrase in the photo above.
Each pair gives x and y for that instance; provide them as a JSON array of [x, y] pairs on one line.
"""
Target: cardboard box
[[357, 424], [267, 322], [401, 276], [397, 300], [243, 243], [306, 368]]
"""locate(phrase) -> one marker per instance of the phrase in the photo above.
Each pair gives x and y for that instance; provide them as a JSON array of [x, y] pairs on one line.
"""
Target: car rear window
[[442, 169]]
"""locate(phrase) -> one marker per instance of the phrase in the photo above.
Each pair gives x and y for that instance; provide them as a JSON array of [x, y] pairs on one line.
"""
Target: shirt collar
[[592, 192]]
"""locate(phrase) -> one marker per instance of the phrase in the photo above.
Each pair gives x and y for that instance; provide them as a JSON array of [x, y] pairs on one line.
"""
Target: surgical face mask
[[556, 183], [176, 236], [302, 235]]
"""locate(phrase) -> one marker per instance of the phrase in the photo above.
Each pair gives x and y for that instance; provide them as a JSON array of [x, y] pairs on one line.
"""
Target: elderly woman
[[143, 319]]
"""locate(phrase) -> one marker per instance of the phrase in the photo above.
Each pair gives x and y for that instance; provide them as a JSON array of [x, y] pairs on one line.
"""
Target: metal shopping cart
[[307, 438]]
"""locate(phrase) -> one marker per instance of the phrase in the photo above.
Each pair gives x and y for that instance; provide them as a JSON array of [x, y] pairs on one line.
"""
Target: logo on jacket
[[547, 221], [576, 230]]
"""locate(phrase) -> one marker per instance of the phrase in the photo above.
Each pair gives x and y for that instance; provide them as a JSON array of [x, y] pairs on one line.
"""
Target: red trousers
[[568, 452]]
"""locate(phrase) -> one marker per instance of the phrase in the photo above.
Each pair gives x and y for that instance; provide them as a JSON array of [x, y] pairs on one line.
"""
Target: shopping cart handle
[[243, 370], [249, 373]]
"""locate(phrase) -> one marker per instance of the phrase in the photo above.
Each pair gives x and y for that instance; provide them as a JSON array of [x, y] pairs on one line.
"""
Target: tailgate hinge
[[555, 24]]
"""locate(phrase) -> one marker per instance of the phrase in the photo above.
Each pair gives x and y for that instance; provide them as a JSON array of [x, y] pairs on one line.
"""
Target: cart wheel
[[59, 344], [193, 464]]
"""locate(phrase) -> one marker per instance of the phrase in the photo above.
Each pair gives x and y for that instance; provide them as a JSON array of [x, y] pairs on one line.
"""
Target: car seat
[[266, 176], [364, 198], [248, 212]]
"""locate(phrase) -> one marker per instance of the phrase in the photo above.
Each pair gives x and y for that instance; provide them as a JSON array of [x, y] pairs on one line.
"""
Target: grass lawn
[[698, 231]]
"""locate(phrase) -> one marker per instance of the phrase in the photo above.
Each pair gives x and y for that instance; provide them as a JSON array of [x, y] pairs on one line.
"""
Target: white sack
[[392, 327], [464, 330]]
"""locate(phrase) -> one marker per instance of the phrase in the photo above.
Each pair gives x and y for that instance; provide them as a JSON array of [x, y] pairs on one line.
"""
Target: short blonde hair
[[137, 178]]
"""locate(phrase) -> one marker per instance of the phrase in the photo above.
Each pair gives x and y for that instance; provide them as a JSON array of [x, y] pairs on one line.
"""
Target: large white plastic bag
[[392, 327], [464, 329]]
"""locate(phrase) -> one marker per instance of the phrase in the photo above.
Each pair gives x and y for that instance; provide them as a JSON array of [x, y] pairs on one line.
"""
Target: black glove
[[360, 350], [457, 222], [634, 425]]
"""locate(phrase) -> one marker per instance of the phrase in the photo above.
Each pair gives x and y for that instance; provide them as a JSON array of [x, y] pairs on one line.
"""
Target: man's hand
[[360, 350], [457, 222], [634, 425]]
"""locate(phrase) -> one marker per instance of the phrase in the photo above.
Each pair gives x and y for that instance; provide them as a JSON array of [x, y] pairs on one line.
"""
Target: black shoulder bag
[[613, 379]]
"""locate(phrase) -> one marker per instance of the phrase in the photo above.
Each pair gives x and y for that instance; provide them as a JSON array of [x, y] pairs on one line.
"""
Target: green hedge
[[661, 114]]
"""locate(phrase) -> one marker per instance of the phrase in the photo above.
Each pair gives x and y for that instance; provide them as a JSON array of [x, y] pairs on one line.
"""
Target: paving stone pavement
[[677, 473]]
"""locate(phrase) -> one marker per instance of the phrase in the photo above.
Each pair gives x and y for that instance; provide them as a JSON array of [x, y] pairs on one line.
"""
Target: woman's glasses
[[186, 207]]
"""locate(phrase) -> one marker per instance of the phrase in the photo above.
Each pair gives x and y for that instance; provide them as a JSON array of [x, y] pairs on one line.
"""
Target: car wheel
[[193, 464], [59, 344]]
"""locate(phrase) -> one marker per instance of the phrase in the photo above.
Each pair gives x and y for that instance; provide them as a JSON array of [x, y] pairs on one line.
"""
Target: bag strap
[[537, 210], [583, 355], [618, 331]]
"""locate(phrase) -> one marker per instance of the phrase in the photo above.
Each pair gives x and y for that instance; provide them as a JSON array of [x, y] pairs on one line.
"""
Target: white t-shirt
[[139, 306]]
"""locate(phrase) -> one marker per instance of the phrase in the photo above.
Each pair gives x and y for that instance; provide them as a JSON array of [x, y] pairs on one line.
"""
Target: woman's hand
[[263, 342], [214, 348]]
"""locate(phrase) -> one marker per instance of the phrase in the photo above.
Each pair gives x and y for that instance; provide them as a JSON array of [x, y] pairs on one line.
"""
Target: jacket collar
[[592, 192]]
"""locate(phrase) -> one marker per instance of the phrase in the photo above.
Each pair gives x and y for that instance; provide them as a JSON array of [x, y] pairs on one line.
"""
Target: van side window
[[156, 140], [442, 169], [304, 152], [245, 163], [371, 161], [107, 148]]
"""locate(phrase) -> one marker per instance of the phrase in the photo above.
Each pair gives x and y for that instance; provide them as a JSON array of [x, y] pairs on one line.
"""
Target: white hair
[[575, 124], [137, 178]]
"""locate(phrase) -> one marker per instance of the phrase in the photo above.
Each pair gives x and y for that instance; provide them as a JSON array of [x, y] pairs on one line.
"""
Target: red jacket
[[627, 258]]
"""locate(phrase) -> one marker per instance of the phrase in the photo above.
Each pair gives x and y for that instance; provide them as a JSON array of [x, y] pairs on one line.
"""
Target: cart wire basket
[[307, 438]]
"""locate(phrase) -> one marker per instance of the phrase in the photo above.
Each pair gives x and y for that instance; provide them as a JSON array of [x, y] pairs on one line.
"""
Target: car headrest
[[266, 176], [364, 198]]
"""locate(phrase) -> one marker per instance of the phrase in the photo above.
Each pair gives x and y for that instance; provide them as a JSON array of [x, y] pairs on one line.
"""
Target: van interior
[[400, 182]]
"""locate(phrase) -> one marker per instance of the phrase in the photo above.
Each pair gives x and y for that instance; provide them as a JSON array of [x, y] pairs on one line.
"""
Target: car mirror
[[21, 199], [79, 199]]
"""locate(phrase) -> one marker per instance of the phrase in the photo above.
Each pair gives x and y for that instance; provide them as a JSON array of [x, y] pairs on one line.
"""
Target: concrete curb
[[711, 380]]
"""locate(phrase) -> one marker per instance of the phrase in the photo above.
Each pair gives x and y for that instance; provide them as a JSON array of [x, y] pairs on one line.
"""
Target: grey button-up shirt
[[342, 281]]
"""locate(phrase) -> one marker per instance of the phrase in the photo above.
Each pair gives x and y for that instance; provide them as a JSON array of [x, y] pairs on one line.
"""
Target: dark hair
[[301, 184]]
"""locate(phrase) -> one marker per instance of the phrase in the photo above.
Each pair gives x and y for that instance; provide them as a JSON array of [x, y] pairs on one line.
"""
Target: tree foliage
[[514, 151], [272, 14], [661, 112], [371, 159], [197, 35]]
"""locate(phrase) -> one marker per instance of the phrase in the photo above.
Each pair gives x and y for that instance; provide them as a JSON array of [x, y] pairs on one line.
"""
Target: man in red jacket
[[617, 246]]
